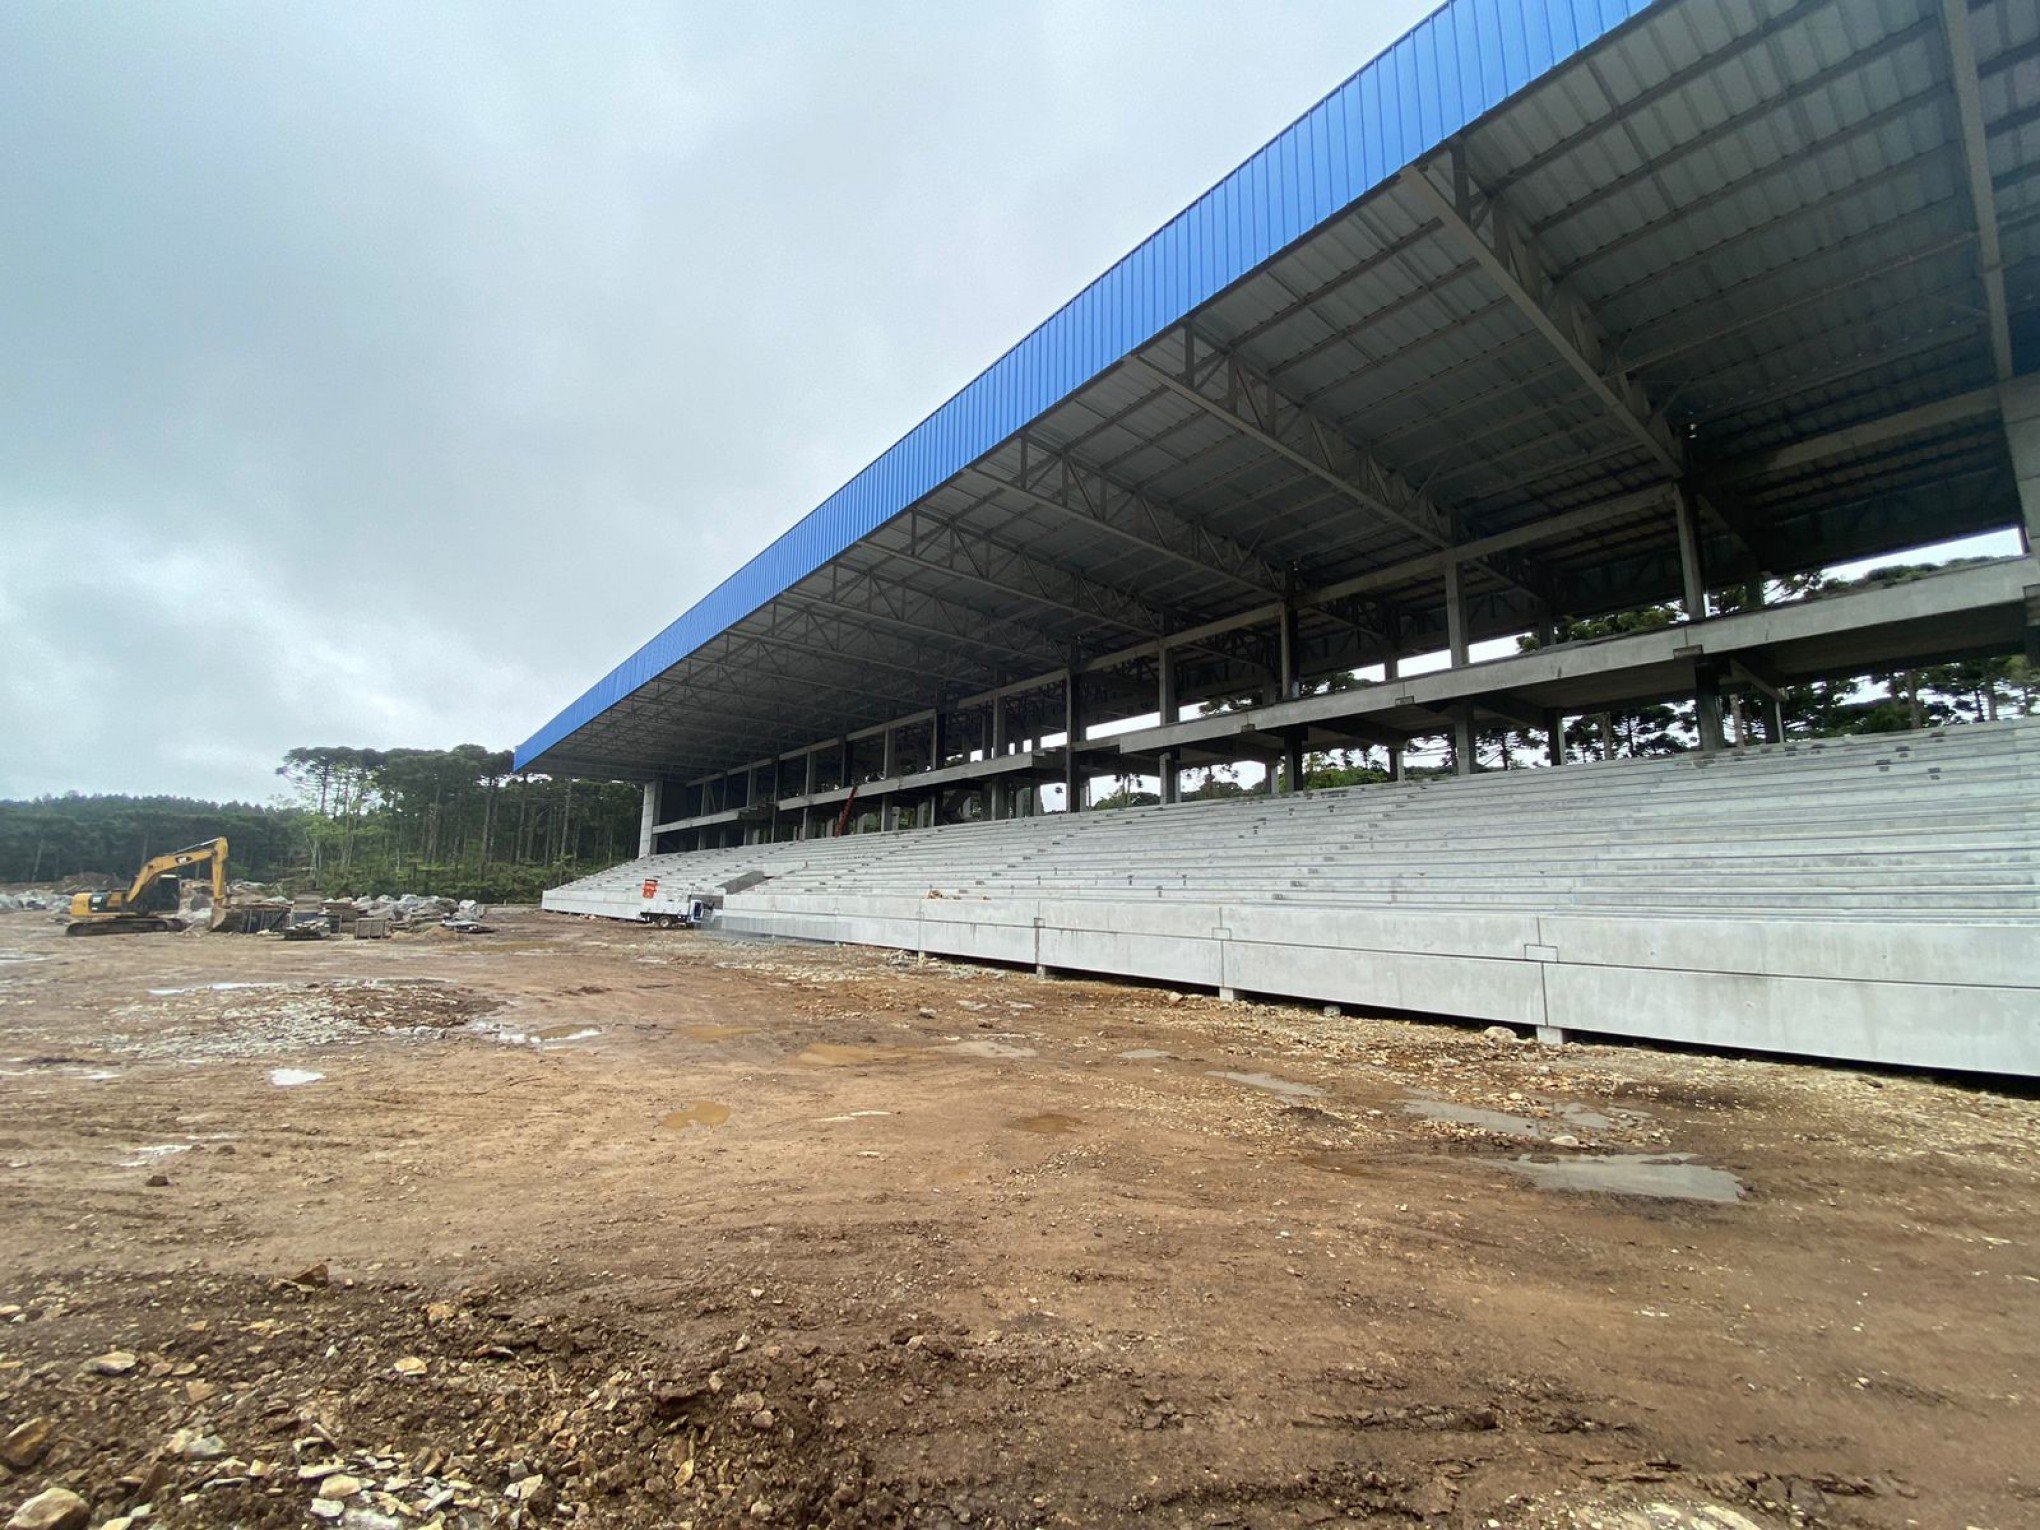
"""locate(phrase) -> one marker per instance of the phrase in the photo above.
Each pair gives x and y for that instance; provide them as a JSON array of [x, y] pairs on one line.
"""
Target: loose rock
[[52, 1509], [115, 1362], [26, 1444]]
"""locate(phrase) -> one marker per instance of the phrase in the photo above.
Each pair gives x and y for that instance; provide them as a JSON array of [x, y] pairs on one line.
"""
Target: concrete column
[[1292, 761], [1554, 733], [1463, 740], [1073, 731], [891, 767], [1707, 708], [1455, 614], [999, 741], [1692, 571], [2020, 400], [1774, 721], [1286, 678], [938, 744], [647, 818], [843, 761], [812, 776], [1167, 703], [1171, 777], [1395, 761]]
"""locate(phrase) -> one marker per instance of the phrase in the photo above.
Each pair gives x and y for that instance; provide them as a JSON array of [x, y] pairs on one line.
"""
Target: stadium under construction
[[1552, 311]]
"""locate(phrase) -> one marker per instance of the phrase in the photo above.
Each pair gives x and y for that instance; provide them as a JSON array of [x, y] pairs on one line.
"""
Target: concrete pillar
[[938, 743], [1073, 731], [647, 818], [1774, 721], [891, 766], [1395, 760], [1707, 709], [1286, 680], [1171, 777], [843, 760], [1455, 614], [1463, 758], [2020, 401], [1167, 703], [812, 776], [1692, 571], [1554, 734], [1292, 761], [999, 741]]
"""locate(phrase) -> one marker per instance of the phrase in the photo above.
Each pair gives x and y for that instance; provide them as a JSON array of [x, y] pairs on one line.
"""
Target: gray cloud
[[383, 373]]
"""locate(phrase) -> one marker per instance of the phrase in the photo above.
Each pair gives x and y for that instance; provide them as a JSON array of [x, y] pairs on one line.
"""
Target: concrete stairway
[[1864, 866]]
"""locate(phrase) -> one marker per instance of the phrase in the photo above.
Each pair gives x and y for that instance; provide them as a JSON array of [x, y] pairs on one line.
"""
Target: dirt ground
[[581, 1222]]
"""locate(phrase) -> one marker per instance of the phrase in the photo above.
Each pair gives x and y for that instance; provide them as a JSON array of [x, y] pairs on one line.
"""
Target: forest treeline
[[458, 822]]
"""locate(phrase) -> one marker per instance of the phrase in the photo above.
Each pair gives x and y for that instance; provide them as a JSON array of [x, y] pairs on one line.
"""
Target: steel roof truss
[[1058, 481], [940, 546], [1252, 405], [1982, 198]]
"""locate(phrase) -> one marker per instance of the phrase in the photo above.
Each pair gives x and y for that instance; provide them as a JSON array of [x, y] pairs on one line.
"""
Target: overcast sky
[[383, 374]]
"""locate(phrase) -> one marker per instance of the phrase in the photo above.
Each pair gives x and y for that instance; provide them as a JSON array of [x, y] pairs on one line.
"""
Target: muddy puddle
[[1660, 1176], [705, 1113], [832, 1054], [1349, 1165], [1566, 1119], [557, 1033], [1048, 1123], [1288, 1088], [713, 1032], [985, 1046]]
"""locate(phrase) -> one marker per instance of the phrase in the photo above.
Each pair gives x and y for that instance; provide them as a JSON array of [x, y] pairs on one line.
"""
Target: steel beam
[[1867, 435], [1509, 256], [1059, 481], [981, 558], [1251, 405]]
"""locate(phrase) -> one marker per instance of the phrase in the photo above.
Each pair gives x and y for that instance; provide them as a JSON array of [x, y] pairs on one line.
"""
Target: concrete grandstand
[[1550, 312]]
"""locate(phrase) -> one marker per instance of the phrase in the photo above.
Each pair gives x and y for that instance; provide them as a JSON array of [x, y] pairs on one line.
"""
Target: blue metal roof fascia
[[1447, 71]]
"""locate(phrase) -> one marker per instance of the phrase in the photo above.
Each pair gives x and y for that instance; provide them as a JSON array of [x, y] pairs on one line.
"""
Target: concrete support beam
[[1073, 734], [1465, 759], [1455, 615], [1292, 761], [647, 818], [1170, 778], [1692, 570], [1707, 708], [1990, 259], [2021, 398], [1287, 679], [891, 767], [1554, 738]]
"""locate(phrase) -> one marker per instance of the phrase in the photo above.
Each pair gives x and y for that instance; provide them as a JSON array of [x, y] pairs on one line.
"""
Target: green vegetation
[[455, 821]]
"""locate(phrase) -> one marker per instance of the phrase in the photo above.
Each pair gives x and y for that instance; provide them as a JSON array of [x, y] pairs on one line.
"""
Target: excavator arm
[[213, 850]]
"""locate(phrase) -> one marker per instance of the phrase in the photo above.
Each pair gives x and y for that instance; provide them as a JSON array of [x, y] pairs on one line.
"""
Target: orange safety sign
[[651, 887]]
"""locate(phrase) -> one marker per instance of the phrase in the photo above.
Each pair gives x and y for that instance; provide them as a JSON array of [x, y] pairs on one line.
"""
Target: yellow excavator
[[150, 903]]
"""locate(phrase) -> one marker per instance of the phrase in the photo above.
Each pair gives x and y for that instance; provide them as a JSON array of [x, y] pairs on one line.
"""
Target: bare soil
[[582, 1222]]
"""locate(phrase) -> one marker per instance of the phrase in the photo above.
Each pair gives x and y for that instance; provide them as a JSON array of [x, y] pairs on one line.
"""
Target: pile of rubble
[[31, 901]]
